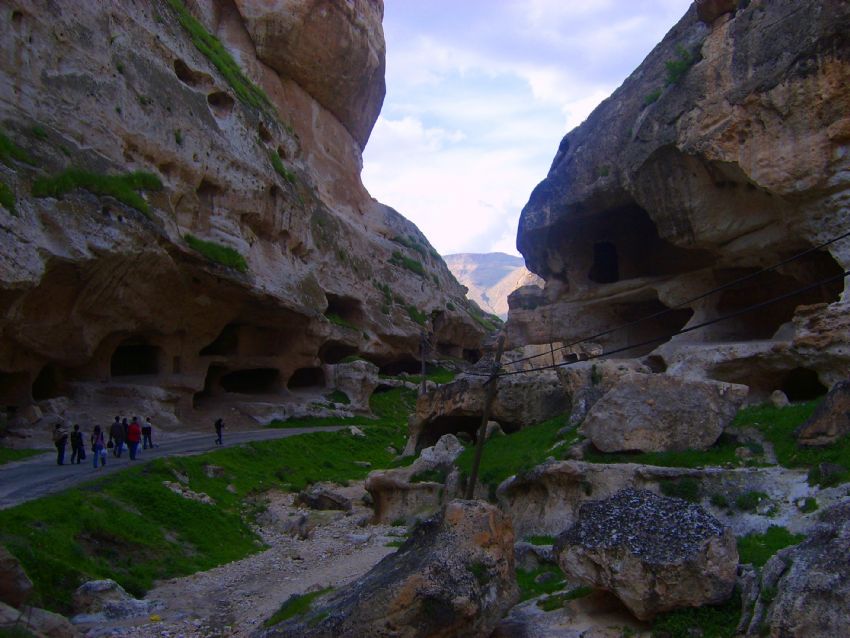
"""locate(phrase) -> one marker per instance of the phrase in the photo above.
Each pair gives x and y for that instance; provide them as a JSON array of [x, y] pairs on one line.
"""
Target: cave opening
[[472, 355], [648, 334], [135, 358], [211, 385], [49, 384], [395, 368], [252, 381], [306, 378], [334, 352], [606, 263], [348, 309], [463, 427], [802, 384], [225, 344]]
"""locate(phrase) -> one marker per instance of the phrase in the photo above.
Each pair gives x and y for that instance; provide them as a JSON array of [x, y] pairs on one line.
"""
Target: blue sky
[[480, 93]]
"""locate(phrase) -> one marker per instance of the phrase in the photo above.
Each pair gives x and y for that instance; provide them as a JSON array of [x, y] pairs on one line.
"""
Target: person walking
[[98, 447], [147, 431], [134, 435], [219, 425], [60, 439], [116, 434], [78, 450]]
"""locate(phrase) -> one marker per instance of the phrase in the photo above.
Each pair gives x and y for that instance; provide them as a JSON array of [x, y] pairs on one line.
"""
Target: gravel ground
[[234, 599]]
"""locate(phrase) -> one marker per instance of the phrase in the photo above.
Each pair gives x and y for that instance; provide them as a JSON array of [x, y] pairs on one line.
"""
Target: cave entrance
[[650, 332], [472, 355], [395, 368], [463, 427], [134, 358], [211, 385], [306, 378], [334, 352], [253, 381], [49, 384], [606, 263], [802, 384], [348, 309], [225, 344]]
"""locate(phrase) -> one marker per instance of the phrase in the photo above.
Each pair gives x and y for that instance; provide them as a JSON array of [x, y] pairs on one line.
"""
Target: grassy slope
[[131, 528]]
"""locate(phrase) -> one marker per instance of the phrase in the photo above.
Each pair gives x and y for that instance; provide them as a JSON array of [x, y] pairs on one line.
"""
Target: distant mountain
[[491, 277]]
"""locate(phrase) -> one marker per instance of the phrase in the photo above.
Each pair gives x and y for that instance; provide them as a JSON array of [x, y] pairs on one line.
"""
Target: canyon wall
[[490, 278], [725, 152], [247, 257]]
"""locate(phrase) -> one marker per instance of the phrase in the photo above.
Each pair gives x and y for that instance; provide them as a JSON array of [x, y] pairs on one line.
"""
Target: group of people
[[122, 432]]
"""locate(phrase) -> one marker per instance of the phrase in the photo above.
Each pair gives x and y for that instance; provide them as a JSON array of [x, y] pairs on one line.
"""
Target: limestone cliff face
[[252, 115], [726, 151], [490, 278]]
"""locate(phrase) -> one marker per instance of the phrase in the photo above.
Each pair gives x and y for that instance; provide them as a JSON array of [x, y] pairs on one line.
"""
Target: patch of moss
[[718, 621], [295, 605], [124, 187], [532, 584], [429, 476], [416, 315], [686, 488], [677, 67], [7, 198], [758, 548], [281, 170], [403, 261], [10, 151], [223, 255]]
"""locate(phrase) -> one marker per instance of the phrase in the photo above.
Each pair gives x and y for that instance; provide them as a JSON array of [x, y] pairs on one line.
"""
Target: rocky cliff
[[183, 221], [490, 278], [725, 152]]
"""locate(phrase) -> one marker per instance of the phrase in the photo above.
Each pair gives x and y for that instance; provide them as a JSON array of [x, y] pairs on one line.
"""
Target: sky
[[479, 95]]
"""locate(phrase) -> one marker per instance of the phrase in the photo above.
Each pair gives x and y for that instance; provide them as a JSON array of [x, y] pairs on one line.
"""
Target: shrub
[[684, 488], [38, 132], [223, 255], [7, 198], [122, 187], [652, 98], [416, 315], [247, 92], [709, 621], [337, 320], [809, 505], [540, 540], [677, 68], [402, 261], [749, 501], [10, 151], [281, 170]]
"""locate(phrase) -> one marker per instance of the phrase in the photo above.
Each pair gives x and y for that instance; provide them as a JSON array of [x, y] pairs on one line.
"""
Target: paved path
[[39, 475]]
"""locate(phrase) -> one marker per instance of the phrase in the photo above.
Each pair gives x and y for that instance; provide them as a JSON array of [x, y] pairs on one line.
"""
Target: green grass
[[281, 170], [295, 605], [557, 601], [7, 198], [337, 320], [529, 587], [429, 476], [210, 46], [403, 261], [437, 375], [722, 453], [7, 455], [749, 501], [540, 540], [677, 67], [122, 187], [416, 315], [338, 396], [10, 151], [15, 632], [809, 505], [708, 621], [516, 453], [131, 528], [223, 255], [391, 409], [652, 98], [758, 548], [685, 488]]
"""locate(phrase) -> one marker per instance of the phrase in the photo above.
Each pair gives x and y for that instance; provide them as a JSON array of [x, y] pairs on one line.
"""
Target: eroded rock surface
[[661, 413], [654, 553], [15, 585], [830, 420], [453, 577]]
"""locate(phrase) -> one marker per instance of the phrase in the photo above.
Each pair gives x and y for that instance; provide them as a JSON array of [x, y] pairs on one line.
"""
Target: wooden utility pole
[[492, 385], [423, 353]]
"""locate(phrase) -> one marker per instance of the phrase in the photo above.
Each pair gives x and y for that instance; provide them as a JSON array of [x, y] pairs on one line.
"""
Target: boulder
[[15, 585], [529, 557], [659, 413], [778, 399], [804, 590], [830, 420], [40, 623], [319, 497], [654, 553], [709, 10], [357, 379], [453, 577], [101, 600]]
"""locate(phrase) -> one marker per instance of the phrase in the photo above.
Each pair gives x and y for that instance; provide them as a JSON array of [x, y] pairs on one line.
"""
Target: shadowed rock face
[[103, 304], [669, 190]]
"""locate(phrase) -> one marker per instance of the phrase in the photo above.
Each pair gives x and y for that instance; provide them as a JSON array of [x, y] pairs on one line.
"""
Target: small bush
[[38, 132], [402, 261], [281, 170], [295, 605], [809, 505], [684, 488], [122, 187], [652, 98], [719, 500], [178, 137], [223, 255], [758, 548], [677, 68], [7, 198], [749, 501], [708, 621], [450, 306], [337, 320], [416, 315], [10, 151], [532, 586]]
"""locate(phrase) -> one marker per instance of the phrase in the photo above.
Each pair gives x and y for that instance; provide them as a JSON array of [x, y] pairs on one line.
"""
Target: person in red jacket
[[134, 435]]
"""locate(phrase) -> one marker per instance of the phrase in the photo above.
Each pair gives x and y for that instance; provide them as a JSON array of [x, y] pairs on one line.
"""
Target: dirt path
[[234, 599]]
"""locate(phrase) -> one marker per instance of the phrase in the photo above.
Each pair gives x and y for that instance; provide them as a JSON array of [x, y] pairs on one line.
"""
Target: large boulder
[[709, 10], [831, 419], [453, 577], [804, 590], [39, 623], [659, 413], [654, 553], [320, 497], [103, 600], [15, 585]]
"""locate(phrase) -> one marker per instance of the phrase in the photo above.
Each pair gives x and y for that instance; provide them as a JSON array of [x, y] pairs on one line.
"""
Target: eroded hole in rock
[[207, 191], [15, 388], [254, 381], [135, 357], [606, 263], [188, 76], [394, 368], [283, 152], [225, 344], [472, 355], [274, 191], [334, 352], [306, 378], [655, 363], [49, 384], [648, 334], [348, 309], [263, 132], [802, 384], [465, 426], [221, 104]]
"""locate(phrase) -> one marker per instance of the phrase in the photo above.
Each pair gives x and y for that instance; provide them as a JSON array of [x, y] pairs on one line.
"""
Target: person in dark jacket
[[116, 434], [98, 447], [78, 450], [60, 440], [219, 425]]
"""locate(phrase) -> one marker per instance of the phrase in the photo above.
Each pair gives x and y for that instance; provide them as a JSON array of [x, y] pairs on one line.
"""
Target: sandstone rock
[[804, 591], [453, 577], [778, 399], [529, 557], [38, 622], [654, 553], [101, 600], [358, 379], [15, 585], [709, 10], [830, 420], [319, 497], [442, 454], [656, 413]]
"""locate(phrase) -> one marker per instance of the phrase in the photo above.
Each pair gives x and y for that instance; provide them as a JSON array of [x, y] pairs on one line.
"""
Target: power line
[[681, 304]]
